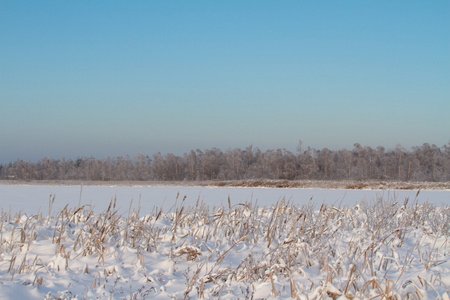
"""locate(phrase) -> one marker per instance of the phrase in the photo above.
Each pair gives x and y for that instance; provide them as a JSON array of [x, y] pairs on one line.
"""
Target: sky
[[111, 78]]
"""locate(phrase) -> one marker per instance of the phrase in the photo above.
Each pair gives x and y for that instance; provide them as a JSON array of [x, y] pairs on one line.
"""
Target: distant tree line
[[421, 163]]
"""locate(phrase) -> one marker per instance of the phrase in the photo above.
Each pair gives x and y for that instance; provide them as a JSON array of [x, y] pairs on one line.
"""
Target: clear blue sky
[[109, 78]]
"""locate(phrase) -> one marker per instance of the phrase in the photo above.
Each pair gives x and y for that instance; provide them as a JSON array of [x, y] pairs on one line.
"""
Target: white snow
[[31, 198], [203, 242]]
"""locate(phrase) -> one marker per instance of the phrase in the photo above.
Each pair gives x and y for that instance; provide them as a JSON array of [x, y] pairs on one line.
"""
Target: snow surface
[[31, 198], [222, 243]]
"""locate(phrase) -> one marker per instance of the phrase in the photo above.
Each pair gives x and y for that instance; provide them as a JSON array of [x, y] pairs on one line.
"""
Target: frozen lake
[[31, 198]]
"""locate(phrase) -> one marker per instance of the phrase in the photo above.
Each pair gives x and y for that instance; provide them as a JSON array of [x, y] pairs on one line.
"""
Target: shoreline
[[306, 184]]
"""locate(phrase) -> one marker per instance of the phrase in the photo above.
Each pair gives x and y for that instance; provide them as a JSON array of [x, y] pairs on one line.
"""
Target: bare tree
[[423, 163]]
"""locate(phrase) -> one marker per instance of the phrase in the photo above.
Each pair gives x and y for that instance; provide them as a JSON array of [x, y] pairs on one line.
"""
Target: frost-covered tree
[[422, 163]]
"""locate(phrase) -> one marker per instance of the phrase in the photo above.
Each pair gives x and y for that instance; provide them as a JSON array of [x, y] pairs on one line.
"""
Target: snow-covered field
[[62, 242], [31, 198]]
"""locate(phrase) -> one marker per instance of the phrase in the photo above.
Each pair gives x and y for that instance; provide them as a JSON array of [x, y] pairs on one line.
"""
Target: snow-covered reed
[[377, 249]]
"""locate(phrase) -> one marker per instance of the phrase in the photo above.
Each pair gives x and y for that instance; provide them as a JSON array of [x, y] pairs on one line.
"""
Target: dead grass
[[361, 252]]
